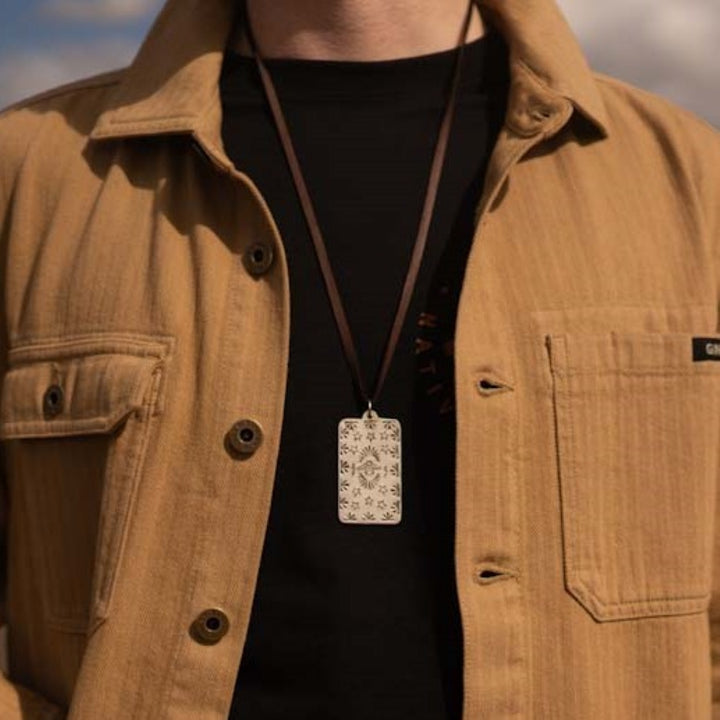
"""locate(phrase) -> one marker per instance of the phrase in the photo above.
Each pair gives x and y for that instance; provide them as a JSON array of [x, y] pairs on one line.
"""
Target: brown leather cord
[[346, 336]]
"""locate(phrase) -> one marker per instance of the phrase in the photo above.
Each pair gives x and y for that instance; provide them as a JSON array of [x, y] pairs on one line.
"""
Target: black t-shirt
[[351, 622]]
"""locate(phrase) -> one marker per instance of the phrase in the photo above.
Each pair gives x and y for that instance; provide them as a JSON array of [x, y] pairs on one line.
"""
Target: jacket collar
[[172, 85]]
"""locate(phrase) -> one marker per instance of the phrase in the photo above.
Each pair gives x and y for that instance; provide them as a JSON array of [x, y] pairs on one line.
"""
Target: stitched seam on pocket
[[568, 498], [572, 482], [569, 487], [623, 603], [665, 371], [80, 425], [114, 546], [85, 346], [60, 346], [568, 491], [108, 557]]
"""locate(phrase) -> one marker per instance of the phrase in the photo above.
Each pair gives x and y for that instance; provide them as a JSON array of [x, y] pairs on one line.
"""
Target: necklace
[[369, 446]]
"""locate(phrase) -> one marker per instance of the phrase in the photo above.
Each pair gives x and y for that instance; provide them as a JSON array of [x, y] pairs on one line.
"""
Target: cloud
[[98, 10], [665, 46], [28, 72]]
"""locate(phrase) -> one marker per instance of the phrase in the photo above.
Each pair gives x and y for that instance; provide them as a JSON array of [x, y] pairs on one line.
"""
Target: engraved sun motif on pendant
[[368, 467]]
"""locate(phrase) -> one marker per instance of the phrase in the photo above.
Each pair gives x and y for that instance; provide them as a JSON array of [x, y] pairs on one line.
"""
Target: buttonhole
[[489, 573], [488, 384], [488, 387]]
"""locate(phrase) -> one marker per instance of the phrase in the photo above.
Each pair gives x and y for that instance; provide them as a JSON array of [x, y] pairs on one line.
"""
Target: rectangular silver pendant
[[369, 470]]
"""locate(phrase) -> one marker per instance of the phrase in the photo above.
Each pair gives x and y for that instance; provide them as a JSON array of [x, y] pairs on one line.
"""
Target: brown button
[[245, 437], [53, 401], [209, 626], [258, 258]]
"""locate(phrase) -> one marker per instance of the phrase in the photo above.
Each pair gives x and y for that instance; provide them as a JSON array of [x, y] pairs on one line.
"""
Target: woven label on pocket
[[705, 348]]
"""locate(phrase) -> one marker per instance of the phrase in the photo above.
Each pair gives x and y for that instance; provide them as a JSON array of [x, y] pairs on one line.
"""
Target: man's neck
[[356, 29]]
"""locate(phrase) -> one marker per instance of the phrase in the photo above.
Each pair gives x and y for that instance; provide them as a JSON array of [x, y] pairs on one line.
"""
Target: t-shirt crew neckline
[[427, 75]]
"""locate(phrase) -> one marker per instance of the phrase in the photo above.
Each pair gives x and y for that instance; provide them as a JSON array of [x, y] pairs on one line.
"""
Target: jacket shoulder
[[658, 135], [100, 80], [633, 110], [58, 118]]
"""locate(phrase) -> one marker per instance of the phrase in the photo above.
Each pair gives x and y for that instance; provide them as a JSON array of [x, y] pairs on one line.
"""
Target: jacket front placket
[[255, 353], [489, 499]]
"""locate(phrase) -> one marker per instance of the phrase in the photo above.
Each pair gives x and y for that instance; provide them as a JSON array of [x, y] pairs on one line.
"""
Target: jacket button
[[53, 401], [245, 437], [209, 626], [258, 258]]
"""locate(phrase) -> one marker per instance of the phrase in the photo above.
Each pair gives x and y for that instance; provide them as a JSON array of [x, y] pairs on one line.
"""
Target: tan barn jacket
[[140, 323]]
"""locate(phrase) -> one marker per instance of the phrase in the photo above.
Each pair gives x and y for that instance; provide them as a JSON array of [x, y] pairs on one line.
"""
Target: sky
[[666, 46]]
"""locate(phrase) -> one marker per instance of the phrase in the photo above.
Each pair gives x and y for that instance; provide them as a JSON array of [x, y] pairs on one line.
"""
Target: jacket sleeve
[[16, 701], [711, 198]]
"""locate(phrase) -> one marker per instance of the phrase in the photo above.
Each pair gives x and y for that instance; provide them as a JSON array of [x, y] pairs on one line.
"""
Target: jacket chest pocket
[[637, 432], [75, 420]]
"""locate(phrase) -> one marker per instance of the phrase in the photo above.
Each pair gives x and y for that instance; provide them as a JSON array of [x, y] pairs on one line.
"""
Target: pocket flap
[[73, 395]]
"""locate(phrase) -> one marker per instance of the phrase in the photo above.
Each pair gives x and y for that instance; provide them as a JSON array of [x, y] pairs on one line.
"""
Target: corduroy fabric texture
[[587, 544]]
